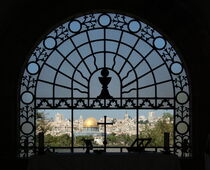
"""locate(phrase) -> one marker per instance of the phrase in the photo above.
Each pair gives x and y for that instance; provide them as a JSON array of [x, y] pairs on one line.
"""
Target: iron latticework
[[104, 61]]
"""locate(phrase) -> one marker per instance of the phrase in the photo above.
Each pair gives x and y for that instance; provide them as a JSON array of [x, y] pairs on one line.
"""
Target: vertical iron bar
[[35, 117], [72, 131], [105, 142], [104, 48], [137, 121]]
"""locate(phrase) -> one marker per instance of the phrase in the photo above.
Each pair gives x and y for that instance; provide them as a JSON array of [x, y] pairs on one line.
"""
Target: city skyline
[[85, 124], [97, 114]]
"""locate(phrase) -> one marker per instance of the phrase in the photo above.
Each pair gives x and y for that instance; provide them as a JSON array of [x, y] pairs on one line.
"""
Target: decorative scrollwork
[[25, 112], [80, 103], [63, 103], [28, 82], [40, 54], [119, 21], [89, 21], [181, 82], [129, 103], [147, 33], [113, 103], [44, 103], [145, 73], [169, 54], [144, 103], [182, 112], [97, 103], [61, 33], [164, 103]]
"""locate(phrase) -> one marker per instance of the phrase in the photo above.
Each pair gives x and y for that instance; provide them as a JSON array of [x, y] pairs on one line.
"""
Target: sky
[[153, 59], [114, 83], [97, 114]]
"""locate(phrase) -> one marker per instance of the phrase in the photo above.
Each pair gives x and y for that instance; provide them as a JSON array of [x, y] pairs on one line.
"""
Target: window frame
[[29, 102]]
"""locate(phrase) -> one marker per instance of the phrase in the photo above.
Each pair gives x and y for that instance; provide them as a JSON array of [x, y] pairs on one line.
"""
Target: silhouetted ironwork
[[185, 147], [104, 80], [141, 144], [25, 148], [122, 46], [105, 124], [41, 143], [166, 143], [88, 144]]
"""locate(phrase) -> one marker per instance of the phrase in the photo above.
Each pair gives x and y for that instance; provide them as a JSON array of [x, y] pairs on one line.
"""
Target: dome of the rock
[[90, 122]]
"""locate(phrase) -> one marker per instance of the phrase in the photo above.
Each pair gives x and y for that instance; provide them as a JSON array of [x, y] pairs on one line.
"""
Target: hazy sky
[[146, 70], [125, 49], [100, 113]]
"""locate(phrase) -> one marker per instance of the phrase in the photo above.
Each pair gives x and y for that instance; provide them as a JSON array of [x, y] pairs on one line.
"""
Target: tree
[[79, 140], [157, 132], [58, 141], [120, 140], [42, 125], [168, 115], [112, 139]]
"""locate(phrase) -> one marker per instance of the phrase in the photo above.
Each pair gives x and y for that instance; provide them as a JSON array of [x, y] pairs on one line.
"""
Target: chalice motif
[[104, 80]]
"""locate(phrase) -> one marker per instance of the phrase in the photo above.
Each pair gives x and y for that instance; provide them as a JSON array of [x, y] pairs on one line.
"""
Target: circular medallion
[[176, 68], [50, 43], [182, 97], [33, 68], [104, 20], [182, 127], [159, 43], [27, 97], [27, 128], [75, 26], [134, 26]]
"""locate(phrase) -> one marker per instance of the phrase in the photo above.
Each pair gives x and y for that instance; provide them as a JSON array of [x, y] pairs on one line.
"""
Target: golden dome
[[90, 122]]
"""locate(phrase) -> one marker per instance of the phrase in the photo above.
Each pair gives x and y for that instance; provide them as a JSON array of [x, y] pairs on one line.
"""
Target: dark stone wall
[[185, 23]]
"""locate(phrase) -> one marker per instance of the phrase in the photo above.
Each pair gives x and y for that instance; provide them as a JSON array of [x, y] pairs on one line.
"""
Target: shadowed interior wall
[[186, 23]]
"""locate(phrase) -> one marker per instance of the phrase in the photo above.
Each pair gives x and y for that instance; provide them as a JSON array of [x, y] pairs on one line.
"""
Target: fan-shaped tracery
[[125, 61], [68, 63]]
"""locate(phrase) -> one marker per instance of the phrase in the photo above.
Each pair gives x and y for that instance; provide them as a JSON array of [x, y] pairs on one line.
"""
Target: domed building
[[90, 125], [90, 128]]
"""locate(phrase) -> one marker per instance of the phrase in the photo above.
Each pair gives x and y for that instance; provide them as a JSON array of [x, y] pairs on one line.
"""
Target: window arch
[[140, 68]]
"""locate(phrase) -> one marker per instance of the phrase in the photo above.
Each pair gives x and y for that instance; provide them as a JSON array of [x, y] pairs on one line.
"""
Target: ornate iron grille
[[69, 65]]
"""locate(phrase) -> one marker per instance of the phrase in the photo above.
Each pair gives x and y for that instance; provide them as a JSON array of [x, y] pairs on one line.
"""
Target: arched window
[[105, 63]]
